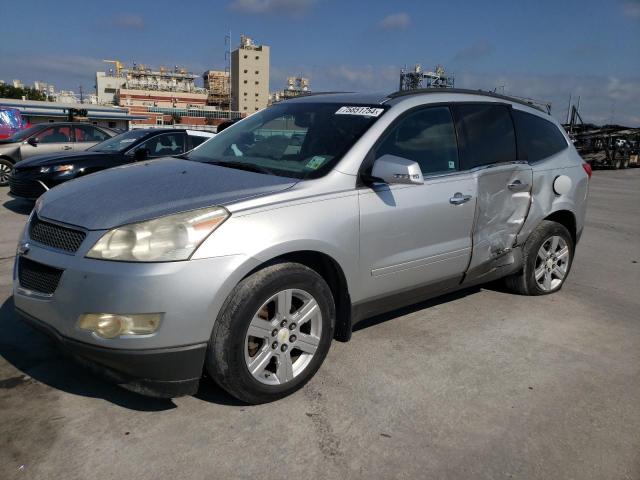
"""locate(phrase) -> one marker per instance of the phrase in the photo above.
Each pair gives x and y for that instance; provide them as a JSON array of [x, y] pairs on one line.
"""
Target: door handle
[[67, 147], [517, 186], [459, 199]]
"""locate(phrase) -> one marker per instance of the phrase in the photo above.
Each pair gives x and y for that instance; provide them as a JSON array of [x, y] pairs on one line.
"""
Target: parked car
[[11, 122], [32, 177], [48, 138], [248, 257]]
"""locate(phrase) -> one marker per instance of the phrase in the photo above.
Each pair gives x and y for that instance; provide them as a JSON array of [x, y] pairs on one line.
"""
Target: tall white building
[[249, 76]]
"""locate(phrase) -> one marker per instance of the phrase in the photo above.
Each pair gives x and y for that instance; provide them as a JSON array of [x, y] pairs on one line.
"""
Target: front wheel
[[272, 334], [5, 171], [547, 257]]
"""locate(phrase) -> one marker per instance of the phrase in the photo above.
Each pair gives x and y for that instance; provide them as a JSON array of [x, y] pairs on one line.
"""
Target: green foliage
[[9, 91]]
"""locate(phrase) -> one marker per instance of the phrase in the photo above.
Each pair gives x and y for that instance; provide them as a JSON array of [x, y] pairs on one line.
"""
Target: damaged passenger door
[[488, 147]]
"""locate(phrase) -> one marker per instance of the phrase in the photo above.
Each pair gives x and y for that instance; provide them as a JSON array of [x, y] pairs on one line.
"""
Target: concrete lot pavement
[[479, 384]]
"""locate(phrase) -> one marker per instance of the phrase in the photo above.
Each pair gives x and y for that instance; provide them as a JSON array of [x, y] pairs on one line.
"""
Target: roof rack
[[527, 102]]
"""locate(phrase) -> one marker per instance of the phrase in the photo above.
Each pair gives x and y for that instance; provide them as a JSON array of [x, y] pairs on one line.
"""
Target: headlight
[[107, 325], [57, 168], [166, 239]]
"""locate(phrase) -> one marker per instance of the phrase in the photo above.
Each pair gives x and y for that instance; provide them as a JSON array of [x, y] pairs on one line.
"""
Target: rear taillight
[[587, 168]]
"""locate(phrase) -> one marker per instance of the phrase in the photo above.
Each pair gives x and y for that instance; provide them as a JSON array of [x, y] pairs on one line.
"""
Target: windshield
[[301, 140], [120, 142]]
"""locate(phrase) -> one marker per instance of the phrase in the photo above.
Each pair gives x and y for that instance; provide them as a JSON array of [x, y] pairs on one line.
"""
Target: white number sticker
[[363, 111]]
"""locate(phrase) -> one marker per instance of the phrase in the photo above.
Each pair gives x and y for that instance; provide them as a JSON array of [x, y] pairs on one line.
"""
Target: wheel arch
[[331, 271], [567, 219]]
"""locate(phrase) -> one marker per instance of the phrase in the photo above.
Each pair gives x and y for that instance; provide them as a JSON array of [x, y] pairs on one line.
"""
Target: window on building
[[245, 94], [245, 108], [486, 133], [245, 81], [245, 56], [256, 72], [245, 71], [256, 94], [426, 136], [537, 138], [256, 109], [257, 82]]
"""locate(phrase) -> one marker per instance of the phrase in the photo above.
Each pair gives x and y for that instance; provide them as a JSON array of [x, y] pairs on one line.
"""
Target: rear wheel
[[5, 171], [548, 253], [273, 333]]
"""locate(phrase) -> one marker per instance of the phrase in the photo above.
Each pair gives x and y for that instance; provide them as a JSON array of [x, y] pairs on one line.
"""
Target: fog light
[[109, 325]]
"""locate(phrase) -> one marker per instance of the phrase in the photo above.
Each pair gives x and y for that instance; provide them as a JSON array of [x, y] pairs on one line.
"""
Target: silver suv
[[247, 257]]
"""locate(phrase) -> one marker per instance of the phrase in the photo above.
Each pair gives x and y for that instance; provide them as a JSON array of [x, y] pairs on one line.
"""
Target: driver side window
[[426, 136]]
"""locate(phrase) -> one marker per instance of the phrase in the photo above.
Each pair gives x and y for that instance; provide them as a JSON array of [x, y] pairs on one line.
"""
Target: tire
[[252, 304], [5, 170], [524, 282]]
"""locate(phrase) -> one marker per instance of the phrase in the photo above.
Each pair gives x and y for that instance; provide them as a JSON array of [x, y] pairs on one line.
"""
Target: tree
[[9, 91]]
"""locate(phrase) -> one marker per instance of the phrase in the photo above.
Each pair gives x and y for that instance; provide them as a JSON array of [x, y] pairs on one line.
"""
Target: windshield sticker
[[362, 111], [315, 162], [128, 140]]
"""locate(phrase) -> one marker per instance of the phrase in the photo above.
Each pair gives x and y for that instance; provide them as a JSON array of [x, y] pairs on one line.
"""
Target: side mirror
[[391, 169], [141, 154], [33, 141]]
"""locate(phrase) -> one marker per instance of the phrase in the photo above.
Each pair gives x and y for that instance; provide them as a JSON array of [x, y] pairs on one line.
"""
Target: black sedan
[[30, 178]]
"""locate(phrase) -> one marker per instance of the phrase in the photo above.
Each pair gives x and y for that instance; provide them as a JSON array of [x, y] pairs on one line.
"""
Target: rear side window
[[486, 133], [426, 136], [537, 138]]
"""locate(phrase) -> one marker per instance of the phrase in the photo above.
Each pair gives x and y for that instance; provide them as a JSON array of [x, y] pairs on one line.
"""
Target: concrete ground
[[480, 384]]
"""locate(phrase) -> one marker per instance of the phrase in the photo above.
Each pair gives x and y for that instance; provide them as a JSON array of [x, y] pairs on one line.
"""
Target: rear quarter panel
[[544, 199]]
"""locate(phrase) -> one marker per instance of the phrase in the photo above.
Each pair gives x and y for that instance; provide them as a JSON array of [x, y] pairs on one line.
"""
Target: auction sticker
[[362, 111]]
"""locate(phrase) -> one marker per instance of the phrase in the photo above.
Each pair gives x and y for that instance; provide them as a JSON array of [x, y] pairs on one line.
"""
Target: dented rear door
[[504, 198]]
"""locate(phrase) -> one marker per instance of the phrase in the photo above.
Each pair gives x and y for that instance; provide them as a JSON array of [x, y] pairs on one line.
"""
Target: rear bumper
[[158, 372]]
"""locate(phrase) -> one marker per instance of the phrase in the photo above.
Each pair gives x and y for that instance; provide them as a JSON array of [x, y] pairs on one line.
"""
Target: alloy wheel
[[5, 171], [552, 263], [283, 337]]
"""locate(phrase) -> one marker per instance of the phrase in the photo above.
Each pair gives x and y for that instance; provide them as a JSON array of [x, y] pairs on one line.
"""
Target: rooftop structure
[[296, 86], [142, 77], [418, 78], [218, 83]]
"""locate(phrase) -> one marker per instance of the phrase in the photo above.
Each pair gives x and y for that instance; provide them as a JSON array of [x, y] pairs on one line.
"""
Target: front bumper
[[162, 372], [188, 294]]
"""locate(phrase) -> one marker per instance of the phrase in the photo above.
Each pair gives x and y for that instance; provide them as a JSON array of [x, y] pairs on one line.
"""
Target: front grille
[[25, 188], [38, 277], [55, 236]]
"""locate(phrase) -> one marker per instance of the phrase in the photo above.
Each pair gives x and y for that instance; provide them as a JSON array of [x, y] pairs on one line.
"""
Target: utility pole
[[227, 68], [569, 107], [81, 97]]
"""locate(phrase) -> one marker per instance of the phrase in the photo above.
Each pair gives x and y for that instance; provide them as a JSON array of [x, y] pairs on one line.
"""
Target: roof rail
[[417, 91]]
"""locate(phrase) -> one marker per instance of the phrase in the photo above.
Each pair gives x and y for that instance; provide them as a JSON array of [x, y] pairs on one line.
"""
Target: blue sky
[[540, 49]]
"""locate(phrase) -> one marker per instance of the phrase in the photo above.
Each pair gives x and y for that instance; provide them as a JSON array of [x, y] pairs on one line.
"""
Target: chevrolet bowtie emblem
[[23, 248]]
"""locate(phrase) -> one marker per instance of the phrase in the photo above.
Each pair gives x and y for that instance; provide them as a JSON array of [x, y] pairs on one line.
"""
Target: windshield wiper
[[250, 167]]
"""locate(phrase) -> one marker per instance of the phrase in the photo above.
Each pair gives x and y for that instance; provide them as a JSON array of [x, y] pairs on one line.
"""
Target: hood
[[58, 158], [143, 191]]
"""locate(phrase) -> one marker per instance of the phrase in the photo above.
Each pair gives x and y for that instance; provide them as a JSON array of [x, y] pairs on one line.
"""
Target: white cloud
[[603, 99], [631, 8], [395, 21], [128, 21], [286, 7], [473, 52]]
